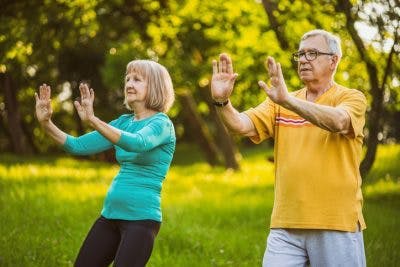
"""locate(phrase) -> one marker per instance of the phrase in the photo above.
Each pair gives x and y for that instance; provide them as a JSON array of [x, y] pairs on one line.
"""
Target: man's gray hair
[[333, 41]]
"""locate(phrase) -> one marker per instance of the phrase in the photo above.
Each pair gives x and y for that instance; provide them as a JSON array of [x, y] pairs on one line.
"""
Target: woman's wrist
[[45, 123], [93, 121]]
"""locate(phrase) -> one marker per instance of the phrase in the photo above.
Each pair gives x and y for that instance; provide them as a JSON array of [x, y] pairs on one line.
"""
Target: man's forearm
[[328, 118], [235, 121]]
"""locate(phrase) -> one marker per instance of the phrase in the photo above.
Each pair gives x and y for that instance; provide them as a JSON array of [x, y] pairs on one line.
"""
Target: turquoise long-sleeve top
[[144, 152]]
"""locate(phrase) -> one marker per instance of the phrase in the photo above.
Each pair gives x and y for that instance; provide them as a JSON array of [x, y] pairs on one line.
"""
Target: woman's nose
[[129, 84]]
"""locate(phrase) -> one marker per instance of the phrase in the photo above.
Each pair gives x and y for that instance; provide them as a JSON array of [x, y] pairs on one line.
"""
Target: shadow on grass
[[51, 159]]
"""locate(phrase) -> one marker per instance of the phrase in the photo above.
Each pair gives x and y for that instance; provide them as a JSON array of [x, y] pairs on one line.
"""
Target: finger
[[229, 65], [220, 65], [48, 92], [234, 77], [264, 86], [81, 91], [41, 92], [271, 66], [215, 66], [44, 92], [224, 65], [36, 98], [280, 73], [274, 66], [86, 90], [224, 58], [77, 105], [91, 94]]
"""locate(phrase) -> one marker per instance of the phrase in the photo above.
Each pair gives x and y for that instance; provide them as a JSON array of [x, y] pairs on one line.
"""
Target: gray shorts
[[303, 247]]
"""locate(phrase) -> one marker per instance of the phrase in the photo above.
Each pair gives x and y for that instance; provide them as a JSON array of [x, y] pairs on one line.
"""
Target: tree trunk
[[374, 118], [197, 127], [270, 8], [19, 142], [4, 139], [225, 141]]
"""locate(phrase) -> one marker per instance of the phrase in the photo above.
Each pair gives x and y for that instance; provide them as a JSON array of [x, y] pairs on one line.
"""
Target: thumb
[[264, 86], [234, 77], [77, 105]]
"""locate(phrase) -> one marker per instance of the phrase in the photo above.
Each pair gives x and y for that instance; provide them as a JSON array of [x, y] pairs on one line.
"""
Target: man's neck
[[315, 90]]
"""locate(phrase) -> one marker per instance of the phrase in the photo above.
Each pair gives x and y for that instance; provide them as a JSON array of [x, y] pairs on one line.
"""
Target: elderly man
[[318, 132]]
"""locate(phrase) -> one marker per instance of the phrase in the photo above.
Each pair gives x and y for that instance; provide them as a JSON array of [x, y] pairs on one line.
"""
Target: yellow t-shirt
[[317, 178]]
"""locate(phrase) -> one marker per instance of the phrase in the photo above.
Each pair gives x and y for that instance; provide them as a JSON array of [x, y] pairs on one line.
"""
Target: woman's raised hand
[[223, 78], [43, 104], [85, 106]]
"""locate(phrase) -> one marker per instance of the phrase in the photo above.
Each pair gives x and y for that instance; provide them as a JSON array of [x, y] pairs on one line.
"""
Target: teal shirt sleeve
[[156, 132], [88, 144]]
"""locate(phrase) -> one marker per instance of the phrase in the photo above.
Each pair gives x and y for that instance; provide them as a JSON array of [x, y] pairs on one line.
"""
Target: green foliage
[[65, 42], [212, 217]]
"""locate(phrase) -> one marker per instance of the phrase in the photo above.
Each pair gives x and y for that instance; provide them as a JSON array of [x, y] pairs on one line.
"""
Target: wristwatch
[[221, 104]]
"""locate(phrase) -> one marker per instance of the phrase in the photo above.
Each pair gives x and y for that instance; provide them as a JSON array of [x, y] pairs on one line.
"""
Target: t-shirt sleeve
[[157, 132], [355, 104], [263, 118]]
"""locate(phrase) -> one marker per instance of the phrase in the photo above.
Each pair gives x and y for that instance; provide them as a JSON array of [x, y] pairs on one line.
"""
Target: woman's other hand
[[43, 104]]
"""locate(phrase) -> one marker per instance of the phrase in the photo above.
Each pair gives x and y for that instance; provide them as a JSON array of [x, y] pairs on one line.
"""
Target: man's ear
[[335, 61]]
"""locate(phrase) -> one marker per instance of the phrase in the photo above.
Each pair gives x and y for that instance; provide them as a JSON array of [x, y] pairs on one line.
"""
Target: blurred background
[[63, 43]]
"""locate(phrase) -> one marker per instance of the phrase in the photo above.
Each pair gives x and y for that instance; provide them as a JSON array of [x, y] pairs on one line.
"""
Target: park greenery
[[63, 43], [211, 216], [219, 193]]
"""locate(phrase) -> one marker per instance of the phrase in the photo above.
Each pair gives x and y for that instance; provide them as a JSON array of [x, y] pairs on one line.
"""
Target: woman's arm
[[155, 133], [86, 113], [44, 112], [87, 144]]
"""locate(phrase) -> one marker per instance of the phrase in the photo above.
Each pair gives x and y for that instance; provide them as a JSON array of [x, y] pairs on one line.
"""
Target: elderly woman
[[144, 143]]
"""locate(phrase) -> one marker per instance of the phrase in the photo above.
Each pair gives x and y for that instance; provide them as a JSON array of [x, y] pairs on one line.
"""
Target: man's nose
[[302, 58]]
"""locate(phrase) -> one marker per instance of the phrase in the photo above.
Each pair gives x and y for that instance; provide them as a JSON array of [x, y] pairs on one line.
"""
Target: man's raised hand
[[278, 91], [223, 78]]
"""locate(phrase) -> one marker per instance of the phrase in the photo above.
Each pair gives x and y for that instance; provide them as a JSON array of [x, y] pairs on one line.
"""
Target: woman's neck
[[141, 114]]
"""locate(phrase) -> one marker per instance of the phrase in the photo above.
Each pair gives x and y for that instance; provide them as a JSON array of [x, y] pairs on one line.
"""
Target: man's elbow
[[343, 124], [234, 130]]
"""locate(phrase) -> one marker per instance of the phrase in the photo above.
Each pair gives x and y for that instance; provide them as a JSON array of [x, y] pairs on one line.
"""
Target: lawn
[[212, 217]]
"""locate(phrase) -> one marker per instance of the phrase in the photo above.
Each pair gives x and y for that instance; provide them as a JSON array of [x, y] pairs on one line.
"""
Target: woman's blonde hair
[[160, 91]]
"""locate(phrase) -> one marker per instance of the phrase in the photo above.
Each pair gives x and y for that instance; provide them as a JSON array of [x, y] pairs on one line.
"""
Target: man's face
[[322, 67]]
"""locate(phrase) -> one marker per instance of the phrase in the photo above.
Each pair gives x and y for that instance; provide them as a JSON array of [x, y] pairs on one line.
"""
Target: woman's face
[[135, 88]]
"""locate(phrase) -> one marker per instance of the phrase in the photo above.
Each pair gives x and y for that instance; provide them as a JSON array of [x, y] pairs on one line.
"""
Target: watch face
[[220, 104]]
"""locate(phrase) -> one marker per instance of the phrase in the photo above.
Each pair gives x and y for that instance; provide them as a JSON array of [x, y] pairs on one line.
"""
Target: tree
[[32, 33], [387, 22], [377, 61]]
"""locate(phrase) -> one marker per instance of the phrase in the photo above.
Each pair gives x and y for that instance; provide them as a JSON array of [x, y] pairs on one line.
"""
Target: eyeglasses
[[310, 55]]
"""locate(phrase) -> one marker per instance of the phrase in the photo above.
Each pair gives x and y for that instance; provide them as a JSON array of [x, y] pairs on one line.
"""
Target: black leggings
[[127, 243]]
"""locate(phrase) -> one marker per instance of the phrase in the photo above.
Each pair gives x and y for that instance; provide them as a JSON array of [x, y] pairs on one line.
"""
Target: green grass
[[212, 217]]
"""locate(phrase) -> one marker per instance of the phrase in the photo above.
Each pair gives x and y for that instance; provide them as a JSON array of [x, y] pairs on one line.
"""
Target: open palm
[[277, 91], [85, 106], [223, 78], [43, 104]]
